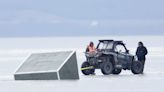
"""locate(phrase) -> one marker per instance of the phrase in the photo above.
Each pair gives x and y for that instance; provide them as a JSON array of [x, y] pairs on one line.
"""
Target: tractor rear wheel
[[107, 68], [137, 67]]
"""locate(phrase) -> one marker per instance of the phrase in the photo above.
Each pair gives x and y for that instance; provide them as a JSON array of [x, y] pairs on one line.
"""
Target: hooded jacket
[[141, 53]]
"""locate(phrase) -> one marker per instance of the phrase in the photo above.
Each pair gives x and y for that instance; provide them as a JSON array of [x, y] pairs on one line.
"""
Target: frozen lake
[[13, 51]]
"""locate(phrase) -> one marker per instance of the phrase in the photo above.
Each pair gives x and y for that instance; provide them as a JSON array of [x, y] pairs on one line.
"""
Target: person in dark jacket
[[141, 53]]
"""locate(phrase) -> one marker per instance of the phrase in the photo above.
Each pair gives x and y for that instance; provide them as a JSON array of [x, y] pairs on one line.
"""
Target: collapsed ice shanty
[[49, 66]]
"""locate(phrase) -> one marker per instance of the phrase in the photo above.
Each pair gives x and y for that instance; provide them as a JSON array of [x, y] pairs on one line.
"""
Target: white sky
[[81, 17]]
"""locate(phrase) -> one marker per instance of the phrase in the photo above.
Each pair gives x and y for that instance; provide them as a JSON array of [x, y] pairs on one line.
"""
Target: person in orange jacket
[[91, 48]]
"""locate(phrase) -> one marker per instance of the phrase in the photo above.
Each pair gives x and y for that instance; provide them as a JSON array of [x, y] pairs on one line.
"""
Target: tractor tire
[[107, 68], [87, 71], [137, 67], [116, 71]]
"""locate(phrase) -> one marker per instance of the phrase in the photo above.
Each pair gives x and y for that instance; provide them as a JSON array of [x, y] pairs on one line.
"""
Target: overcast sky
[[35, 18]]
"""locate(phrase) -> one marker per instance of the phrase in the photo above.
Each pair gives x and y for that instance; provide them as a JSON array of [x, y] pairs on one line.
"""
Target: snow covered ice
[[13, 51]]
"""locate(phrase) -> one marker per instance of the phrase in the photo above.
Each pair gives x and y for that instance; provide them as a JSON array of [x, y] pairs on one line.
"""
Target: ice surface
[[13, 51]]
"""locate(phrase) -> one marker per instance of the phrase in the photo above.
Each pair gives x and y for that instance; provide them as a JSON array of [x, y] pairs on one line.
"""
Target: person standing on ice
[[91, 48], [141, 53]]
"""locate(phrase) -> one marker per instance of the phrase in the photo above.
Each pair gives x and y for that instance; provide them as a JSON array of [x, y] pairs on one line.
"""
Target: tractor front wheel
[[87, 69]]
